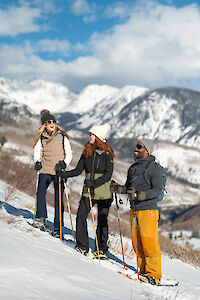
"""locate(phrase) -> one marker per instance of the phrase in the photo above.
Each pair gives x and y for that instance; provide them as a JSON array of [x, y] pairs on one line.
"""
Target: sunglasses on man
[[51, 121], [138, 146]]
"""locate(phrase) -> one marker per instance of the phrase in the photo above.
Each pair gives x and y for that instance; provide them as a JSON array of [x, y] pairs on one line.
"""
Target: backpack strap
[[145, 170], [63, 144]]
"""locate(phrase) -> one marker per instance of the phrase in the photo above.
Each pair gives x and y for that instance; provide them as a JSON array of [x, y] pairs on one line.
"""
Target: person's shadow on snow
[[26, 214]]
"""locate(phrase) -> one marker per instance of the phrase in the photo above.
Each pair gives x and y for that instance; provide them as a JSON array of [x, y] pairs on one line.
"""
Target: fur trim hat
[[100, 131], [46, 116], [148, 145]]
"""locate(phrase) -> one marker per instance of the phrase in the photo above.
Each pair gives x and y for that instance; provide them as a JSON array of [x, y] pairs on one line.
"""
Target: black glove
[[115, 187], [89, 183], [38, 166], [60, 166], [61, 173]]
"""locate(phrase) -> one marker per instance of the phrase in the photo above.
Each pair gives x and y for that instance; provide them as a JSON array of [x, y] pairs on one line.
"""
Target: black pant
[[82, 240], [43, 184]]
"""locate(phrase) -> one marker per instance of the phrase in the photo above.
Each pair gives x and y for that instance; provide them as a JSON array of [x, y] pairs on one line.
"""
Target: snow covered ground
[[35, 265]]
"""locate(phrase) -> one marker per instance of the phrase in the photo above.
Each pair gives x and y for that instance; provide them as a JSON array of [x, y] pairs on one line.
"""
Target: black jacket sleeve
[[78, 170]]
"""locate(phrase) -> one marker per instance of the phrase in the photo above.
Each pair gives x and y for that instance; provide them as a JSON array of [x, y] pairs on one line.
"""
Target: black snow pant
[[43, 184], [82, 240]]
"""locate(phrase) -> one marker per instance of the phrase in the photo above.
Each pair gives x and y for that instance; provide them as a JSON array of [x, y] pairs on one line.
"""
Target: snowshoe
[[82, 251], [149, 279], [102, 255]]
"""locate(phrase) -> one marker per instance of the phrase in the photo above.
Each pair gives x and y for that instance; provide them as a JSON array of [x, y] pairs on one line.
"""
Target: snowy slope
[[35, 265]]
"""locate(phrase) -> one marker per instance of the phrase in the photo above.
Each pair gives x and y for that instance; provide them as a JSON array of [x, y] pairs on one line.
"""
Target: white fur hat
[[100, 131]]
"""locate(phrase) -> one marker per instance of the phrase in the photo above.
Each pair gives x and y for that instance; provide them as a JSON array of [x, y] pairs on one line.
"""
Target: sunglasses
[[90, 134], [50, 121], [138, 146]]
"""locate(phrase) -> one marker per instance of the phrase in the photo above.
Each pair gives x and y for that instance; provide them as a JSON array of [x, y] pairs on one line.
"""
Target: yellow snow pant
[[145, 241]]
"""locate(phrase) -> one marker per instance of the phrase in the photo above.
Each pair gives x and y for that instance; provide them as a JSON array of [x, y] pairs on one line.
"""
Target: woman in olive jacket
[[97, 161]]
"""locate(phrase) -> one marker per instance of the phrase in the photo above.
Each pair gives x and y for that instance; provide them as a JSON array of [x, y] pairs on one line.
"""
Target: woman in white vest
[[51, 146]]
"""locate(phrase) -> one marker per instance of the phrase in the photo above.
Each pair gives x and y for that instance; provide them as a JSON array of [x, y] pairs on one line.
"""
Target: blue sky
[[79, 42]]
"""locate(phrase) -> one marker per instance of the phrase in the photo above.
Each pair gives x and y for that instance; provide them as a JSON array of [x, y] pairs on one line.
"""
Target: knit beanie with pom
[[46, 116]]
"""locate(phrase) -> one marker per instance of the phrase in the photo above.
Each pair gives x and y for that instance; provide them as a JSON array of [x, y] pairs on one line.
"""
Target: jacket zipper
[[92, 172]]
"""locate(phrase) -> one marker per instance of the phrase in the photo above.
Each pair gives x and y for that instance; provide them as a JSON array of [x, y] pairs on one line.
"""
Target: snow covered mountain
[[165, 113], [168, 113], [37, 94]]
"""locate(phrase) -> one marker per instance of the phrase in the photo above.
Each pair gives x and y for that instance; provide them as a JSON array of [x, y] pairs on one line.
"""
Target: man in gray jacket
[[144, 185]]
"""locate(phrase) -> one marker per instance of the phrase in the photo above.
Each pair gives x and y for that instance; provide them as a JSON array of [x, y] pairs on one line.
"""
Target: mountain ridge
[[164, 113]]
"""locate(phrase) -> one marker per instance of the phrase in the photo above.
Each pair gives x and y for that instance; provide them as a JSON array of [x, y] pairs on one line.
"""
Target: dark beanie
[[47, 117]]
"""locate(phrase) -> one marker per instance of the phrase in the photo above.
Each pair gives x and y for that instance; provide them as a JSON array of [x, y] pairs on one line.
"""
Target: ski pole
[[69, 210], [94, 224], [135, 230], [34, 213], [120, 233], [60, 208]]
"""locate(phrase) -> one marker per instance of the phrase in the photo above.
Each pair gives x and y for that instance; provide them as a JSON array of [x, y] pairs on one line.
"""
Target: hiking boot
[[152, 280], [82, 251], [142, 273], [42, 221], [56, 233]]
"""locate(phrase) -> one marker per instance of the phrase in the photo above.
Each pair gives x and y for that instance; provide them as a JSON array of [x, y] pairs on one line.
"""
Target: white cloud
[[81, 7], [17, 20], [58, 46], [118, 10], [23, 64], [85, 9], [50, 6], [157, 45]]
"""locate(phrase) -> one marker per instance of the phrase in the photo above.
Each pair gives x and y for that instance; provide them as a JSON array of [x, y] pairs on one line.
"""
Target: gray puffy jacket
[[149, 181]]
